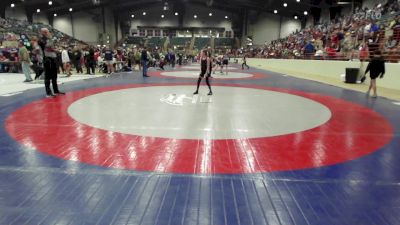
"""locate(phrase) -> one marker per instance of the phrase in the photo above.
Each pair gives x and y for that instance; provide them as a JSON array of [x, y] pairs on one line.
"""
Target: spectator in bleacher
[[361, 25], [13, 57], [50, 66], [319, 45], [363, 52], [309, 49], [331, 51], [373, 45], [23, 57], [390, 43], [391, 51], [374, 31], [347, 46], [395, 25]]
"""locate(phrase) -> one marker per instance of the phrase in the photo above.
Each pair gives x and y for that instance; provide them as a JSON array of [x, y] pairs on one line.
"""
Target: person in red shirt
[[363, 52], [335, 39], [331, 51], [96, 55]]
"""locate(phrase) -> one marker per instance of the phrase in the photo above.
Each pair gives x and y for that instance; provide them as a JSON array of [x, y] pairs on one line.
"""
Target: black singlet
[[204, 65]]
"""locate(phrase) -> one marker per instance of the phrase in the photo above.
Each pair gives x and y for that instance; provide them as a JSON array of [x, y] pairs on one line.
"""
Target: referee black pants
[[50, 75]]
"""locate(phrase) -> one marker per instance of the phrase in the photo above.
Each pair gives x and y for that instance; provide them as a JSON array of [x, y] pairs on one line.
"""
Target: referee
[[50, 66]]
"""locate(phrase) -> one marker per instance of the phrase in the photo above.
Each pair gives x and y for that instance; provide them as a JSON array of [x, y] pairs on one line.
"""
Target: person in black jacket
[[50, 67], [90, 61], [76, 58], [376, 68]]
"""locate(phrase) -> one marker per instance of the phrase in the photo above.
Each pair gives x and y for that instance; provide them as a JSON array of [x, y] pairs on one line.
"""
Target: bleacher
[[354, 40], [135, 40], [201, 43], [154, 42], [25, 30], [180, 41], [12, 30], [224, 42]]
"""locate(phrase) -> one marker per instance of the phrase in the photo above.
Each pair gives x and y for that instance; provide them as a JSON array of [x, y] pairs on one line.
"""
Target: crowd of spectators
[[13, 31], [23, 30], [72, 55], [354, 36]]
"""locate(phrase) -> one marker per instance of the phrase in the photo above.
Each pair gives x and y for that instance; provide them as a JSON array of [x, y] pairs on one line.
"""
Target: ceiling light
[[133, 16], [295, 17], [38, 10], [70, 9], [176, 13], [226, 17], [343, 2], [55, 14], [210, 14], [162, 16], [297, 0], [12, 5], [285, 4], [50, 3], [195, 16], [275, 11], [144, 13], [305, 13]]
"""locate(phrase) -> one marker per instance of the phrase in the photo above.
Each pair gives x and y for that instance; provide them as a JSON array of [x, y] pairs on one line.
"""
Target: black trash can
[[352, 75]]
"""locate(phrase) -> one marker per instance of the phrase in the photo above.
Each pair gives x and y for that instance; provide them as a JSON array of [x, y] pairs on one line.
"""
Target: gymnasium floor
[[264, 149]]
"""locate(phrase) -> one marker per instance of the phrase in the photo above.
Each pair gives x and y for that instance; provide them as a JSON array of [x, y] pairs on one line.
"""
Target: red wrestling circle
[[46, 126]]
